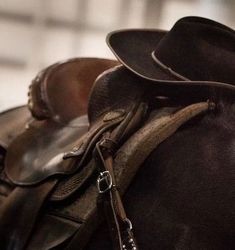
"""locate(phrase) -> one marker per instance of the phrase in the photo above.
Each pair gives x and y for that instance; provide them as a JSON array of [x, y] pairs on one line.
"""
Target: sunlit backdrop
[[36, 33]]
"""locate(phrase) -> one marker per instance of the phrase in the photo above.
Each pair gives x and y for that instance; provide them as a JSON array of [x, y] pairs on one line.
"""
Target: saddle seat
[[58, 99]]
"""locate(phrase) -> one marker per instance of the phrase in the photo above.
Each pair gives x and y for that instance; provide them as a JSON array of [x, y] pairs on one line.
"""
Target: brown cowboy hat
[[196, 51]]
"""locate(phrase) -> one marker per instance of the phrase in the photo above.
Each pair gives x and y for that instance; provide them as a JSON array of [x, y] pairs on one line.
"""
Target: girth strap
[[19, 212]]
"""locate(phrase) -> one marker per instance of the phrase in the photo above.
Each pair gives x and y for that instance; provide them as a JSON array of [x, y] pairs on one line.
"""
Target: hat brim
[[134, 48]]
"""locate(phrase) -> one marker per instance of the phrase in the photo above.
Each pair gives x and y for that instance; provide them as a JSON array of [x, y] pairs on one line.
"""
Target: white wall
[[36, 33]]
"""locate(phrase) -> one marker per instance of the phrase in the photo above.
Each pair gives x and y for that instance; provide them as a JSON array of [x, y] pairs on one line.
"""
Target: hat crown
[[199, 49]]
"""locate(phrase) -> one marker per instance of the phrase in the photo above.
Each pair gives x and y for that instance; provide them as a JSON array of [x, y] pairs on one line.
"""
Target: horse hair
[[183, 197]]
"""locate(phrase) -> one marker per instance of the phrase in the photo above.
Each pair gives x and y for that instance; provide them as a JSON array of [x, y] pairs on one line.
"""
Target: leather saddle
[[33, 145], [78, 131], [49, 160]]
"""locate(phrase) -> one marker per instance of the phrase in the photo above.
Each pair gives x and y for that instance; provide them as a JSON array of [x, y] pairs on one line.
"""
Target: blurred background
[[37, 33]]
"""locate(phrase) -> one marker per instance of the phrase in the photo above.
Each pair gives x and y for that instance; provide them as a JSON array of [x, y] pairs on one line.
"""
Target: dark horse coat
[[183, 196]]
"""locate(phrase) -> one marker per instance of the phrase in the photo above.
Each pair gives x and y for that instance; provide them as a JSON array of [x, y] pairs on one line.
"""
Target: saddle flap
[[63, 229], [38, 152]]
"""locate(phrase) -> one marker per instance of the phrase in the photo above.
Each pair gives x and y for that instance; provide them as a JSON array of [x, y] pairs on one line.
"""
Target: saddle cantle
[[60, 92]]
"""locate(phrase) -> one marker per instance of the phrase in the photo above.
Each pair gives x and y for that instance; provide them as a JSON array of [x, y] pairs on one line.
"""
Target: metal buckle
[[104, 179], [129, 224]]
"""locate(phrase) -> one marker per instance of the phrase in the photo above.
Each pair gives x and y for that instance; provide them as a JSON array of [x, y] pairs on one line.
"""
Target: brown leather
[[70, 81], [63, 83], [61, 228], [38, 152], [13, 122], [18, 214], [109, 195]]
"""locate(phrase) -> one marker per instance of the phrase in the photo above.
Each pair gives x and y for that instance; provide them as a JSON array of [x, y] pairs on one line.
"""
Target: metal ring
[[106, 179], [128, 223]]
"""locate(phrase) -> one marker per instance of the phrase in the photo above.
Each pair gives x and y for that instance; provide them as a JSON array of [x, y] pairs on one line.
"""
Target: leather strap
[[119, 225], [19, 212]]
